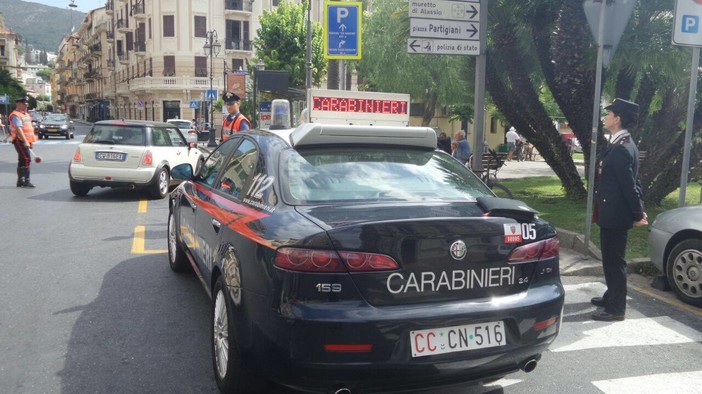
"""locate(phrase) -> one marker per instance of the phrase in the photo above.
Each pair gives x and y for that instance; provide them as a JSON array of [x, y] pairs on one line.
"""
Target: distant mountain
[[41, 26]]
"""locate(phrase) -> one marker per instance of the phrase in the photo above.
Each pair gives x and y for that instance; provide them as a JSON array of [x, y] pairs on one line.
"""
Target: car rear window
[[181, 124], [117, 135], [314, 176]]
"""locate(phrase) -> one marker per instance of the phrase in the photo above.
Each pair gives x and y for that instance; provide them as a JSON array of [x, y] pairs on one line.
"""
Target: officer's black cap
[[624, 108], [230, 98], [23, 99]]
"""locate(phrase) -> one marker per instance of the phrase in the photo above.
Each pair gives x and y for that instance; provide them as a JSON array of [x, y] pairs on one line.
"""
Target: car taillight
[[313, 260], [535, 251], [148, 158], [76, 156]]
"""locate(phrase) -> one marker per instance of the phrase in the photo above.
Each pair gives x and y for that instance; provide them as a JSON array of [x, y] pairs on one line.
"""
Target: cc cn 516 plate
[[457, 338]]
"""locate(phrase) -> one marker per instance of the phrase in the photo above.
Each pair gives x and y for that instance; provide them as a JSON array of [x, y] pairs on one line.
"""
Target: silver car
[[675, 247], [133, 154]]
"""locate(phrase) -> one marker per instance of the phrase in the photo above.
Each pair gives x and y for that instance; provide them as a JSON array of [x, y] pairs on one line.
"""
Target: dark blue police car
[[361, 258]]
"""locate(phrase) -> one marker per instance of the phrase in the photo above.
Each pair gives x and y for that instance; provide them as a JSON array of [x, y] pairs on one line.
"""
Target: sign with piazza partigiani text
[[444, 27]]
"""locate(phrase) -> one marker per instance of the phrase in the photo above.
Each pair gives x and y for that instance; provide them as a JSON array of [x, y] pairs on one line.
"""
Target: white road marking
[[681, 382]]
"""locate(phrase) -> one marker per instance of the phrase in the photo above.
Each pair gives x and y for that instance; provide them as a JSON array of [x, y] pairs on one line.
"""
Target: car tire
[[176, 255], [684, 271], [230, 374], [68, 136], [79, 189], [159, 190]]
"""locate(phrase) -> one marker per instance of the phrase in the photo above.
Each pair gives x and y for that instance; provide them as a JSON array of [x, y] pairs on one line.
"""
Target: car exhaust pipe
[[528, 365], [343, 390], [132, 186]]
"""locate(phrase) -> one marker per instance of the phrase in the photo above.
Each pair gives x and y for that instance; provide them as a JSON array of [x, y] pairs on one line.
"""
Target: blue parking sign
[[690, 24], [342, 28]]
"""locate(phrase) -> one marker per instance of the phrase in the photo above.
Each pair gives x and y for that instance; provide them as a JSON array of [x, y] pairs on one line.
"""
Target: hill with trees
[[38, 25]]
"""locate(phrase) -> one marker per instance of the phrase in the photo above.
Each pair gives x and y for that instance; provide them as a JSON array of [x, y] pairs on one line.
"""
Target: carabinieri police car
[[360, 258]]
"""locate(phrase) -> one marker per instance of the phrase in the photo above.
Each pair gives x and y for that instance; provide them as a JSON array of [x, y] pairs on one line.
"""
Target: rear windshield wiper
[[109, 142]]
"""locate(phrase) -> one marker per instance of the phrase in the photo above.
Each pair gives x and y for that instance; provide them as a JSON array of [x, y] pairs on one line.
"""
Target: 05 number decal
[[528, 231]]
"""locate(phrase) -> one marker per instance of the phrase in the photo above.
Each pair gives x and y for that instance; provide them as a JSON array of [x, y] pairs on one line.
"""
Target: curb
[[589, 261]]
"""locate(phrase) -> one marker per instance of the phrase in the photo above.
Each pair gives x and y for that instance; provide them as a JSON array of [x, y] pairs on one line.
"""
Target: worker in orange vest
[[23, 138], [235, 121]]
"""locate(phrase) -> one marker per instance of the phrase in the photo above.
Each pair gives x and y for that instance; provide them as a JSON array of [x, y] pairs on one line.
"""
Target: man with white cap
[[23, 139]]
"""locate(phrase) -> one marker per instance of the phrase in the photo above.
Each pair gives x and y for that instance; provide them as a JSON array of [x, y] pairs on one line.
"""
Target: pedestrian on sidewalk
[[512, 136], [619, 205], [461, 148]]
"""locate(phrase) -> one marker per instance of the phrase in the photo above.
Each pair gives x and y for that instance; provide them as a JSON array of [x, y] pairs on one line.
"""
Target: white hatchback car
[[131, 153]]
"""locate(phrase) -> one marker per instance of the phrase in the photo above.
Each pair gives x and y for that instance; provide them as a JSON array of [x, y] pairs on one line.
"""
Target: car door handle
[[216, 224]]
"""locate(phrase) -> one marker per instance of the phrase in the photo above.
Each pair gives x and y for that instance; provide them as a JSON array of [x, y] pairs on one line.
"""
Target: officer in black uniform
[[619, 205]]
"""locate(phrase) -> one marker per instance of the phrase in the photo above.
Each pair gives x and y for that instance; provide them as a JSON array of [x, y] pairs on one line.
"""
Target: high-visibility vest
[[233, 125], [27, 128]]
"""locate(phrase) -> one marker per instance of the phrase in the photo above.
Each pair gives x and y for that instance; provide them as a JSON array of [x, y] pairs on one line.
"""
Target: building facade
[[9, 58], [144, 59]]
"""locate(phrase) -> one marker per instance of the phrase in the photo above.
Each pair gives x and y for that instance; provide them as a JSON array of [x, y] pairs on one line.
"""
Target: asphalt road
[[90, 305]]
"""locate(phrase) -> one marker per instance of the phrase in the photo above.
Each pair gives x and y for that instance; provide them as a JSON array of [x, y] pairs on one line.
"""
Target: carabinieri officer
[[619, 205]]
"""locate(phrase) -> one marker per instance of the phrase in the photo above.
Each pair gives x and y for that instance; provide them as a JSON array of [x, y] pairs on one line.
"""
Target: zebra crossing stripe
[[634, 331], [654, 331], [680, 382]]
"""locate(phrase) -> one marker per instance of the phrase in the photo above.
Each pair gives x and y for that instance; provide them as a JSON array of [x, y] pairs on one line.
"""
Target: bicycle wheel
[[500, 190]]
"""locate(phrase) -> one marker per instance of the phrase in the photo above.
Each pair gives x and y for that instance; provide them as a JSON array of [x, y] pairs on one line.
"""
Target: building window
[[168, 26], [130, 41], [238, 36], [149, 28], [200, 66], [237, 64], [200, 26], [169, 66], [2, 50]]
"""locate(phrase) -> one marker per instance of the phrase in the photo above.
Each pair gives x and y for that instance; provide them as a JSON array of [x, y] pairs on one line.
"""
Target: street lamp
[[259, 67], [212, 48]]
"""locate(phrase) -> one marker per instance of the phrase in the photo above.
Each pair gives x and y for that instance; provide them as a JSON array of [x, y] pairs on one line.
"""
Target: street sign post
[[444, 27], [342, 30], [687, 32], [445, 10], [211, 94]]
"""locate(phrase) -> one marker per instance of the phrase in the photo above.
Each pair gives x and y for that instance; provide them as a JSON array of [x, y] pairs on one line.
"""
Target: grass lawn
[[546, 195]]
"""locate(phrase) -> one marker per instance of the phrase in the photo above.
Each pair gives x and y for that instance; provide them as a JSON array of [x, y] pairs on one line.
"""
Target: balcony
[[92, 75], [96, 50], [111, 64], [110, 36], [123, 57], [140, 48], [92, 97], [139, 11], [109, 8], [234, 6], [239, 45], [172, 82], [122, 26]]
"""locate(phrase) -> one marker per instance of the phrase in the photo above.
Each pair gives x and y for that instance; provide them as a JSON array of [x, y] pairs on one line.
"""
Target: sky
[[82, 5]]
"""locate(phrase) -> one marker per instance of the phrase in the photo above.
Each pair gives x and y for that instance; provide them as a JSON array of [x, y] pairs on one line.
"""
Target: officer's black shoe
[[20, 177], [598, 301], [27, 183], [606, 316]]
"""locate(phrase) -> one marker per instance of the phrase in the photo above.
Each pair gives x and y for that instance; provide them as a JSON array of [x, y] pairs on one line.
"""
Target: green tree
[[387, 67], [281, 43], [45, 74], [10, 86]]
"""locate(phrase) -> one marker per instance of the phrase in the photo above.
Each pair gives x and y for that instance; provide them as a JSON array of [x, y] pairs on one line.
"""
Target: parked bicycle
[[491, 165]]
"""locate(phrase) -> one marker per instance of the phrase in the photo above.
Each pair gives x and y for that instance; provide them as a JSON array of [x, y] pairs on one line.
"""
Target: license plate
[[457, 338], [110, 156]]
